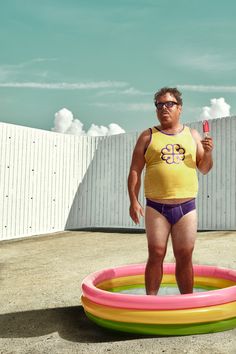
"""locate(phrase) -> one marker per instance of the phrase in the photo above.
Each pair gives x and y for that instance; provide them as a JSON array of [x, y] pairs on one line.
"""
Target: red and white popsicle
[[205, 128]]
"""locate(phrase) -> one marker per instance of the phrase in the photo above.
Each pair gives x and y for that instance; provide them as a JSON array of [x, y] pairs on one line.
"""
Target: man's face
[[168, 116]]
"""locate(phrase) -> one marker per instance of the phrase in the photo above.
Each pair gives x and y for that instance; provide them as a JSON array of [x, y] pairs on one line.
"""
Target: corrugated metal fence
[[50, 181]]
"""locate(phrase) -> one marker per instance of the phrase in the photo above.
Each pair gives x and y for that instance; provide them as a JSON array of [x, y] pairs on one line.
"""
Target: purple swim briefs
[[173, 212]]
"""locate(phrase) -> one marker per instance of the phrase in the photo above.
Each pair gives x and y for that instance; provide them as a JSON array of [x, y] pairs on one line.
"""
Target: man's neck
[[171, 129]]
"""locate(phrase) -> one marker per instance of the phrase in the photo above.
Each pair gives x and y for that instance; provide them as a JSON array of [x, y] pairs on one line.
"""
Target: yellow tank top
[[171, 166]]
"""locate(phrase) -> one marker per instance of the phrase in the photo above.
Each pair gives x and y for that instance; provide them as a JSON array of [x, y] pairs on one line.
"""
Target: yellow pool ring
[[196, 315]]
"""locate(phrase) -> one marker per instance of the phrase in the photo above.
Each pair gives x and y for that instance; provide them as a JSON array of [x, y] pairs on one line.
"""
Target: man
[[171, 153]]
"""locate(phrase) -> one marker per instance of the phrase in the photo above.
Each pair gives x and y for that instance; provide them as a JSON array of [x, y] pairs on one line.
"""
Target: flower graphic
[[173, 153]]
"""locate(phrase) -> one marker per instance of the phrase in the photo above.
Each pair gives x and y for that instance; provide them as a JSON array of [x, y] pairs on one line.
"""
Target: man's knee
[[156, 253], [184, 254]]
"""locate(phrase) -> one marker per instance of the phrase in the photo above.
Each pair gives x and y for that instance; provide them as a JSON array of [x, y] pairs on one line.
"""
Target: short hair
[[172, 90]]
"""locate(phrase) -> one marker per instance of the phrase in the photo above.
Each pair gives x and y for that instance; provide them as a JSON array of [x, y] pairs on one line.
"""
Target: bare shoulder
[[144, 137], [143, 141], [145, 134]]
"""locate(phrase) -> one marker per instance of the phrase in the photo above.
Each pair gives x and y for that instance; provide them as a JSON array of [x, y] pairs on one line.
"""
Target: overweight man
[[171, 153]]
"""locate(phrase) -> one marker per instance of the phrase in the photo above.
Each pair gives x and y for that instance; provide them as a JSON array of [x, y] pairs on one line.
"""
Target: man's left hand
[[207, 144]]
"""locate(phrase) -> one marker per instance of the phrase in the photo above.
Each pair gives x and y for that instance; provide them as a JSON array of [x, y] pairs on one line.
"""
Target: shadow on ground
[[70, 323]]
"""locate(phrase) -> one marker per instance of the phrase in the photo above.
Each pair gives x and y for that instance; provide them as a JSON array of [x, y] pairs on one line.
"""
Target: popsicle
[[205, 128]]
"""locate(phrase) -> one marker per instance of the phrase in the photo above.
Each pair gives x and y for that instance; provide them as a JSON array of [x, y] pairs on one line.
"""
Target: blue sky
[[104, 60]]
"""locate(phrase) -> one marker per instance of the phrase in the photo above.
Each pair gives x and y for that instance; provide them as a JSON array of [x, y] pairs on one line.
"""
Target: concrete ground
[[40, 293]]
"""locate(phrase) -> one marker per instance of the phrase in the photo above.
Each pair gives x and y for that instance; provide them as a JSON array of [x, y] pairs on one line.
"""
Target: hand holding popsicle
[[205, 128], [207, 140]]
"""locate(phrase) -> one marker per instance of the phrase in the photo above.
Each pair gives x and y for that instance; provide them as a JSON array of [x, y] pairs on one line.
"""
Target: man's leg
[[183, 236], [157, 229]]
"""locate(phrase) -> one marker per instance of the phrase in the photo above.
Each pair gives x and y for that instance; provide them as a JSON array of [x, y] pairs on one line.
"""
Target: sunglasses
[[168, 104]]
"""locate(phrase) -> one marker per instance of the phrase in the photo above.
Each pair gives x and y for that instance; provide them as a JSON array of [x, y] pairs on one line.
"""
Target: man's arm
[[134, 178], [204, 152]]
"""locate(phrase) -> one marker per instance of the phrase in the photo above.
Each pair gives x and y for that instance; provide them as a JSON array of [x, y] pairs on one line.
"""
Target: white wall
[[40, 172], [50, 181]]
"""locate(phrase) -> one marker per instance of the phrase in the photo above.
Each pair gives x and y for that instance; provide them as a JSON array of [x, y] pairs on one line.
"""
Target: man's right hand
[[135, 211]]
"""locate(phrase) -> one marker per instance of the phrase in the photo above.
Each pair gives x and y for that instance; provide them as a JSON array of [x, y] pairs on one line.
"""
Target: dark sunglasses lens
[[169, 104], [159, 105]]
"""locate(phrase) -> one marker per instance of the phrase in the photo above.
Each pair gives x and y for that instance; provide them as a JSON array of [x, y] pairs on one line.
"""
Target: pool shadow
[[71, 324]]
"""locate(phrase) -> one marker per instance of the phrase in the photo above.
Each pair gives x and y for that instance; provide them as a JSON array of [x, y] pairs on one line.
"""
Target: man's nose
[[164, 107]]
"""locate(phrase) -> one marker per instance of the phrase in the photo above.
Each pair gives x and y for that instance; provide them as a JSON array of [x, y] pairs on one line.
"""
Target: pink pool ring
[[200, 312]]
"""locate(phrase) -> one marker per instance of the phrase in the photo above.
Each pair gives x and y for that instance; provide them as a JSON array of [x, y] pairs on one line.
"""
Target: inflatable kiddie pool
[[107, 303]]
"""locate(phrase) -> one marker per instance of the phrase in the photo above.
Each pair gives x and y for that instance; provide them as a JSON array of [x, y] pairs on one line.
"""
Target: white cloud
[[143, 107], [134, 92], [207, 88], [140, 107], [218, 108], [26, 63], [130, 91], [65, 85], [64, 122], [9, 72], [4, 73], [114, 129], [95, 130], [205, 62], [76, 128]]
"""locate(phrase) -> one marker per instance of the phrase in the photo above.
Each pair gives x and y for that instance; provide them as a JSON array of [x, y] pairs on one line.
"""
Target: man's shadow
[[71, 324]]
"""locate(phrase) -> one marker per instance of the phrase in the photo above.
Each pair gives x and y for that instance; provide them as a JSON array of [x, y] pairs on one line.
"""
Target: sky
[[98, 63]]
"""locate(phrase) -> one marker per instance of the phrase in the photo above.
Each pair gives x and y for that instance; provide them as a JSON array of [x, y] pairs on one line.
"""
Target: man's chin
[[165, 119]]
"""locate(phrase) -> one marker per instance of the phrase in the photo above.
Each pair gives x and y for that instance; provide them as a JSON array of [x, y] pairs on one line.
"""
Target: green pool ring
[[167, 329], [119, 289]]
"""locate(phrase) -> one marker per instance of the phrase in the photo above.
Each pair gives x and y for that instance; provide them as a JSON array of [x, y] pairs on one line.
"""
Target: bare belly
[[171, 201]]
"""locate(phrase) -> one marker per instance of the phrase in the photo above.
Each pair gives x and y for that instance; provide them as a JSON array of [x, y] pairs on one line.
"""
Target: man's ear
[[180, 108]]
